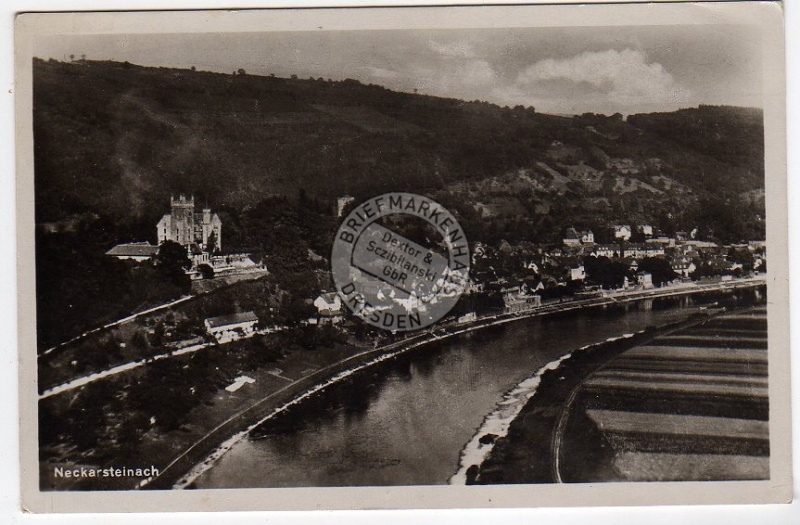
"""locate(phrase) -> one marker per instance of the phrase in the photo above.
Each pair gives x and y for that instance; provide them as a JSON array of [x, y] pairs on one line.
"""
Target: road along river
[[405, 421]]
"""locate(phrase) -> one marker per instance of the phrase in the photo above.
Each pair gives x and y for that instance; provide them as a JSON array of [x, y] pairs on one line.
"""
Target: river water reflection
[[406, 422]]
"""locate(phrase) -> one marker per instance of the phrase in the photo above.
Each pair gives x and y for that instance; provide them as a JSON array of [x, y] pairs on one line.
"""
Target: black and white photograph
[[460, 250]]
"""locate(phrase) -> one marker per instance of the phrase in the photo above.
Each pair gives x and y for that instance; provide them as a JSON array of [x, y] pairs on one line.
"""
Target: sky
[[568, 70]]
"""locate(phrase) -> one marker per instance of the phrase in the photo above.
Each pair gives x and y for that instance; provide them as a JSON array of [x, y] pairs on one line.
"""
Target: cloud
[[470, 78], [622, 76], [476, 73], [461, 49]]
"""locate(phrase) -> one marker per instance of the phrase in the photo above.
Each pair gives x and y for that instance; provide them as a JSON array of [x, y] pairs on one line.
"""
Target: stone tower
[[185, 226], [183, 219]]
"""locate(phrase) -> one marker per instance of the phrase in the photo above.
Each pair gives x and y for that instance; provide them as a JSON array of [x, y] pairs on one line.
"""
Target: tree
[[173, 262], [605, 272], [241, 72], [206, 271], [660, 269], [211, 242], [173, 255]]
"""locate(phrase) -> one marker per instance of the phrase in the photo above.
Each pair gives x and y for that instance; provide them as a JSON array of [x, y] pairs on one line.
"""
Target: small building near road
[[137, 251], [515, 300], [683, 267], [645, 280], [228, 328], [577, 273], [329, 308]]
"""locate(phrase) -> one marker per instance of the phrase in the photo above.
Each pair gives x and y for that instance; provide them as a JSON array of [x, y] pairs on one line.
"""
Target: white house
[[227, 328], [587, 237], [639, 251], [645, 280], [606, 250], [329, 307], [622, 231], [577, 274], [683, 267], [646, 230]]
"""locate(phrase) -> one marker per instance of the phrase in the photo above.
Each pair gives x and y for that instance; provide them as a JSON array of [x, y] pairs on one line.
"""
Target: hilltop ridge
[[116, 139]]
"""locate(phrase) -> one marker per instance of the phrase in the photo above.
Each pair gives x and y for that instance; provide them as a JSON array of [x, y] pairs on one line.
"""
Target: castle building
[[185, 226]]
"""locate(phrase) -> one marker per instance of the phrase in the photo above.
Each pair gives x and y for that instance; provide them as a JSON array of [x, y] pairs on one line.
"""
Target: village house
[[577, 273], [632, 264], [571, 237], [683, 267], [646, 230], [329, 308], [721, 264], [645, 280], [228, 328], [531, 287], [640, 251], [663, 240], [622, 231], [702, 244], [136, 251], [606, 250], [515, 300]]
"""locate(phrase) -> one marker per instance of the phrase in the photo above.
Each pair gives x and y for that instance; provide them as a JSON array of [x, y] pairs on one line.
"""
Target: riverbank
[[207, 450], [521, 451], [529, 448]]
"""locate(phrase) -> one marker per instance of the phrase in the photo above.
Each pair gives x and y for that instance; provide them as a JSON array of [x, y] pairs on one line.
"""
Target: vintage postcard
[[434, 257]]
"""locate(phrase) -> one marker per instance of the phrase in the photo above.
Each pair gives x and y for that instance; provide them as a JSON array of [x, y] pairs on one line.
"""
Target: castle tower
[[182, 219], [184, 226]]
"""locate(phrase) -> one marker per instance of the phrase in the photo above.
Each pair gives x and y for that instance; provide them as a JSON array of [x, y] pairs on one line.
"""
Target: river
[[405, 422]]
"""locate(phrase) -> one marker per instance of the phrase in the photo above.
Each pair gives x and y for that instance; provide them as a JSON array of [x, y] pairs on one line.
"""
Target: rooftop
[[225, 320], [135, 249]]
